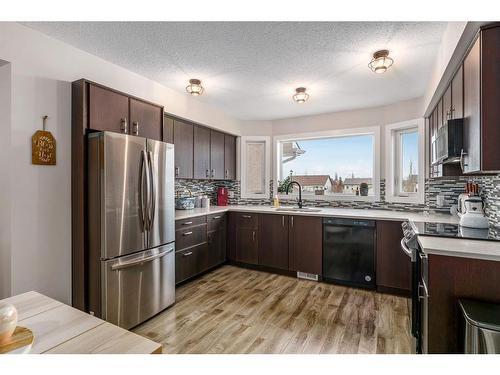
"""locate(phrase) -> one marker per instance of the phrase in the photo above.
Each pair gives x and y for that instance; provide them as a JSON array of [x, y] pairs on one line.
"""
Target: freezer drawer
[[138, 286]]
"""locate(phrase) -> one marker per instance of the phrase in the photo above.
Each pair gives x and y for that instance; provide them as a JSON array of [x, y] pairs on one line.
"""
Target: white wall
[[5, 203], [39, 217]]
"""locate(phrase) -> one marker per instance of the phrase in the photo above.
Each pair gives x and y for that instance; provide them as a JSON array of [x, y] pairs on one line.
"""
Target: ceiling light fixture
[[300, 95], [195, 88], [381, 61]]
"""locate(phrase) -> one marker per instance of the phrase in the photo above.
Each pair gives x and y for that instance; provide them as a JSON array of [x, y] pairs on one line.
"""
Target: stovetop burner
[[456, 231]]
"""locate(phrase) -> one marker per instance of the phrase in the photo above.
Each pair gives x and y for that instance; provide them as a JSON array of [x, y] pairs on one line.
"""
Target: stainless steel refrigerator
[[131, 221]]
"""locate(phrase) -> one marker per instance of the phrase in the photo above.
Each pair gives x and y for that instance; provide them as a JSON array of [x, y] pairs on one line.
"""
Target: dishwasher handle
[[349, 222]]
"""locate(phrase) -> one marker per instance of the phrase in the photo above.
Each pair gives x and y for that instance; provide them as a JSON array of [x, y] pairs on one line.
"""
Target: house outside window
[[340, 164]]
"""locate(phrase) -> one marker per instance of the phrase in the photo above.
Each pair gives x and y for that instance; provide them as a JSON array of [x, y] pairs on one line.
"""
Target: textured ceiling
[[250, 70]]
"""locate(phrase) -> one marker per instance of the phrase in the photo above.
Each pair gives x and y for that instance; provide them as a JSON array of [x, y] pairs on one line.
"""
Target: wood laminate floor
[[236, 310]]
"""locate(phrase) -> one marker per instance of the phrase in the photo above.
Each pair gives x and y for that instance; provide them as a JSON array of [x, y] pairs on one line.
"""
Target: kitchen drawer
[[185, 223], [246, 220], [216, 221], [190, 236], [190, 262]]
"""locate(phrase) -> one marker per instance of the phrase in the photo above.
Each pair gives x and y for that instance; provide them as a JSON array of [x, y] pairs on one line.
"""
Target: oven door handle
[[407, 251], [425, 292]]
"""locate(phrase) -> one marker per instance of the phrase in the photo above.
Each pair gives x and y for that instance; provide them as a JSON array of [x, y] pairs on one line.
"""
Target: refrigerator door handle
[[148, 191], [142, 216], [132, 263], [152, 189]]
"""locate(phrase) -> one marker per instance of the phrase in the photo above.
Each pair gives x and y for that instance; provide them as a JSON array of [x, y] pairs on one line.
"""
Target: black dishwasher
[[349, 252]]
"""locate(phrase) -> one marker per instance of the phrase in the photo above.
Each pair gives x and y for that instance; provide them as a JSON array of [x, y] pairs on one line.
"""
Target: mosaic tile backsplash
[[448, 187]]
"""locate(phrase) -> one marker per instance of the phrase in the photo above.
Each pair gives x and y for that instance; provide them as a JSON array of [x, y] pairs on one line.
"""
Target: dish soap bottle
[[276, 201]]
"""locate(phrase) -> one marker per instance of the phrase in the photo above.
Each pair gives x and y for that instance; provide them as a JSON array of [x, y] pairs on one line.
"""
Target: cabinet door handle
[[187, 254], [187, 233], [246, 216], [253, 235], [207, 175], [124, 126], [226, 173], [213, 173], [462, 163], [216, 217], [177, 171], [135, 128], [283, 220], [291, 217], [187, 223]]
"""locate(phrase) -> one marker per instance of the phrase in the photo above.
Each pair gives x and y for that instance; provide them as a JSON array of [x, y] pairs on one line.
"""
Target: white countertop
[[460, 247], [476, 249], [354, 213]]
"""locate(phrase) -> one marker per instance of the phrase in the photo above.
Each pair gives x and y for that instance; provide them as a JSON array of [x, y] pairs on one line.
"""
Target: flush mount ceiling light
[[300, 95], [381, 61], [194, 88]]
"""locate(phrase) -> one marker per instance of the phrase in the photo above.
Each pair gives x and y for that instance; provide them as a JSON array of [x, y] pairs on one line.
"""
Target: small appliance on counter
[[222, 196], [471, 208], [473, 215]]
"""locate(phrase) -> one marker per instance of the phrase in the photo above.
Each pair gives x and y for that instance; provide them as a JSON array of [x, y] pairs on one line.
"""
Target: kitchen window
[[255, 167], [334, 165], [405, 162]]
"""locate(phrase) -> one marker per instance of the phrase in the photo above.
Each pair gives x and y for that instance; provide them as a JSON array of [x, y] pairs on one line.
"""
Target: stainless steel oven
[[423, 302]]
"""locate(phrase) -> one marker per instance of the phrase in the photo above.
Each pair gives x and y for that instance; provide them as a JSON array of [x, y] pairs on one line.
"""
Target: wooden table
[[61, 329]]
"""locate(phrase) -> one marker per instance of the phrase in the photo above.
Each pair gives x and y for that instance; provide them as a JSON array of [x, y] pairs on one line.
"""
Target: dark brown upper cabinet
[[201, 157], [475, 94], [306, 244], [183, 141], [472, 109], [216, 155], [146, 120], [211, 154], [229, 157], [273, 241], [108, 110], [457, 94], [168, 130], [447, 112], [481, 98], [439, 113]]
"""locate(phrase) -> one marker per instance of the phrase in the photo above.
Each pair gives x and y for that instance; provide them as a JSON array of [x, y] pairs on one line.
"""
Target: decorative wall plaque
[[43, 147]]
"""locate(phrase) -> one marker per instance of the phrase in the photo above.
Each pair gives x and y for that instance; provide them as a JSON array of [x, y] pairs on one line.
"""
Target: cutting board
[[20, 341]]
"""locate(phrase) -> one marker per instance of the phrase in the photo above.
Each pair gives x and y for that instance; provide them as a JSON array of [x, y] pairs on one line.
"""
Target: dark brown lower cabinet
[[247, 246], [393, 266], [216, 247], [451, 278], [201, 245], [273, 241], [306, 244], [190, 262]]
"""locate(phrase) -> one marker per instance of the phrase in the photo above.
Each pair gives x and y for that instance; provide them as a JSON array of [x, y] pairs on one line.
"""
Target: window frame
[[372, 130], [267, 166], [392, 131]]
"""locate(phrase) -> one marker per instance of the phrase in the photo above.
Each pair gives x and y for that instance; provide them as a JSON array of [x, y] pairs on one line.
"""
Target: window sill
[[343, 198], [255, 196], [401, 199]]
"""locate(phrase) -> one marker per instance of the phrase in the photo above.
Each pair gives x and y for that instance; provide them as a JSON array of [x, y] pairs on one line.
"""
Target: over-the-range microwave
[[447, 143]]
